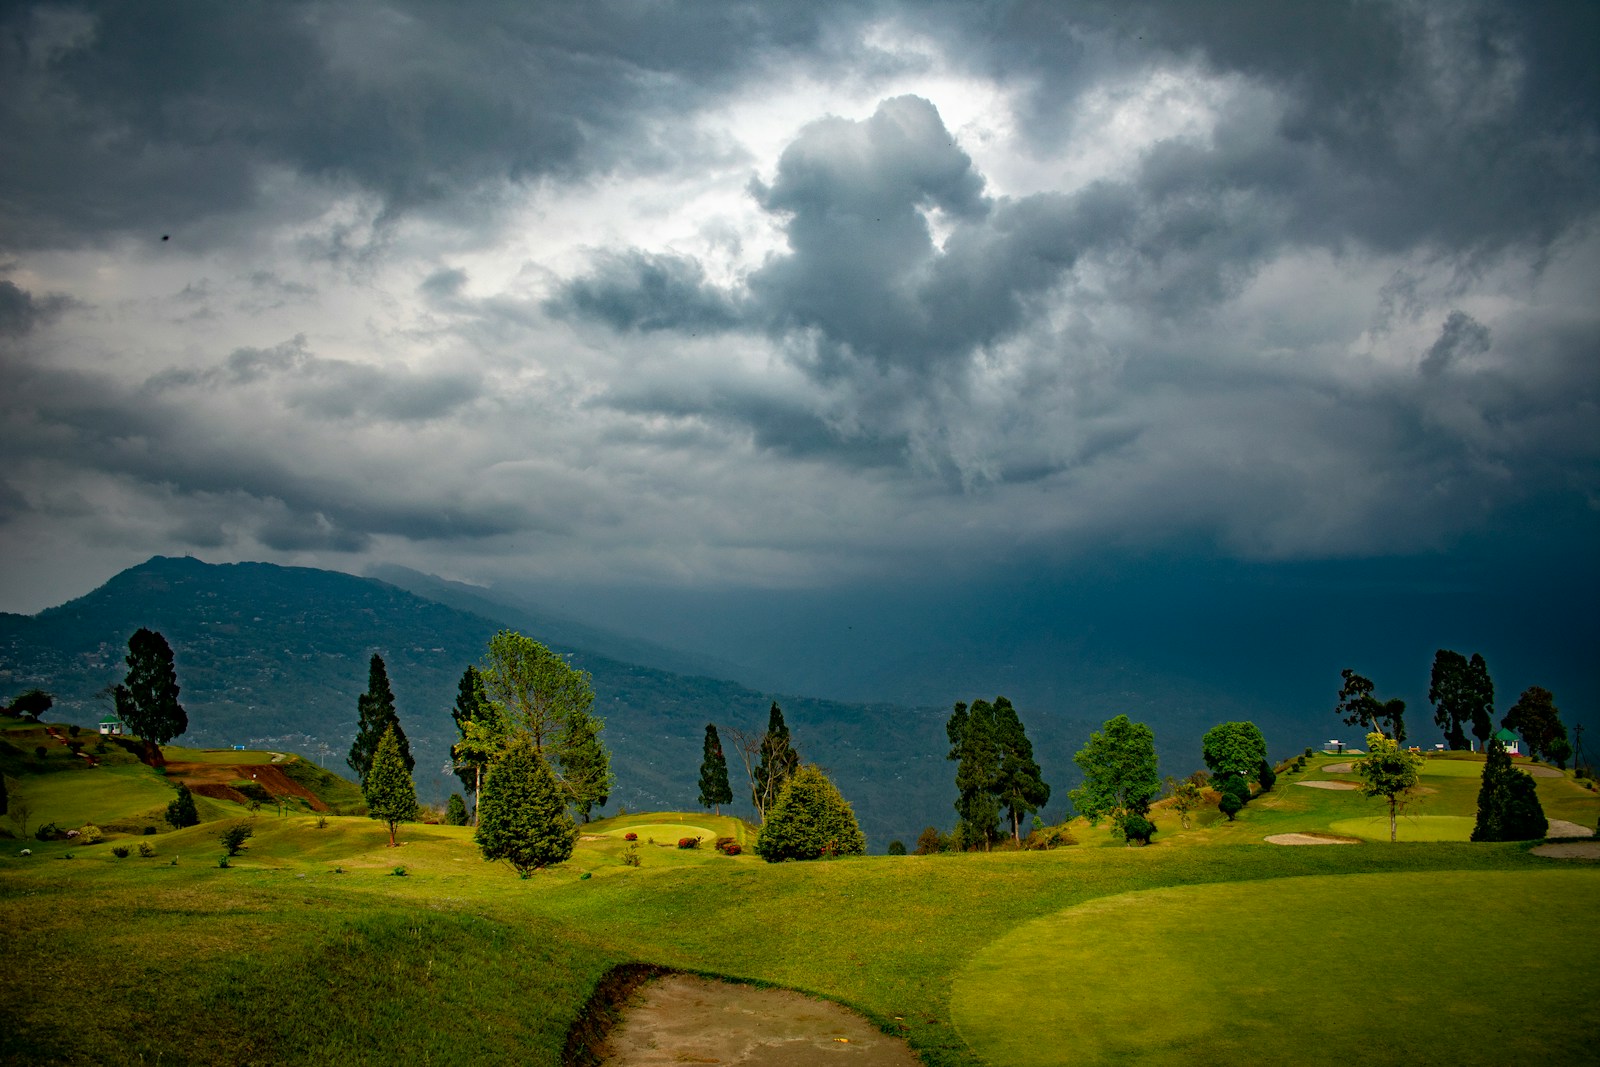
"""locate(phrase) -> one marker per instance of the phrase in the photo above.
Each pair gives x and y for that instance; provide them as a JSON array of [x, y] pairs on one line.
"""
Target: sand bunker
[[1329, 785], [1569, 850], [684, 1019], [1539, 772], [1311, 839], [1563, 828], [1339, 768]]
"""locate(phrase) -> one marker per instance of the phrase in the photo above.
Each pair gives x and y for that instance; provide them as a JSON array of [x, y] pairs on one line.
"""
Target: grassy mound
[[1360, 969]]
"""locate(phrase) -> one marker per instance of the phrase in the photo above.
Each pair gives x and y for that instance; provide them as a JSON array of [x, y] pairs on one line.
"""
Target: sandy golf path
[[686, 1019]]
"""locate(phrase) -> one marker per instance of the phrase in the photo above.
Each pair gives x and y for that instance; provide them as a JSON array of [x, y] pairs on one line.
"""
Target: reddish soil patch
[[211, 780]]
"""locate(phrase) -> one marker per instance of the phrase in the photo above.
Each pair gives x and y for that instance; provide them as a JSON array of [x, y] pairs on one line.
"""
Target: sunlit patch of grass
[[1408, 827]]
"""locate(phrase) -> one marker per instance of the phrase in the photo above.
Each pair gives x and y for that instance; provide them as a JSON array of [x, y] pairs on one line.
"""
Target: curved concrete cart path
[[685, 1019]]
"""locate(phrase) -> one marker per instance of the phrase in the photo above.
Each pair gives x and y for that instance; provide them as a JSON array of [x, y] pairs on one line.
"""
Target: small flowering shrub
[[688, 842], [732, 849], [89, 834], [630, 836], [27, 852], [723, 843]]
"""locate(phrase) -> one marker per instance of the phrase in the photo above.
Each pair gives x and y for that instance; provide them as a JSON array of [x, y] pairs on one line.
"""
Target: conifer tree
[[585, 764], [971, 733], [779, 762], [522, 813], [472, 706], [181, 811], [375, 709], [147, 700], [391, 795], [1019, 784], [714, 788], [809, 820], [1508, 801], [455, 811]]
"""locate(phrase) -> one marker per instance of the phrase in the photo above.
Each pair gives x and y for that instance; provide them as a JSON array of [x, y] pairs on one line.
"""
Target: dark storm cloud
[[1462, 337], [21, 311], [647, 292], [151, 118]]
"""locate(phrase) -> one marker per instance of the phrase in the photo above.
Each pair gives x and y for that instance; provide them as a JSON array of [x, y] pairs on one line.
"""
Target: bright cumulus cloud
[[757, 293]]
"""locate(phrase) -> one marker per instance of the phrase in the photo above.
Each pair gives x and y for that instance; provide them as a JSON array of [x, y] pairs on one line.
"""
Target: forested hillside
[[275, 657]]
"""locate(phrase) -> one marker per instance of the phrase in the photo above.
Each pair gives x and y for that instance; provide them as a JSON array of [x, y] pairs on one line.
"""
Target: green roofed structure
[[1510, 740]]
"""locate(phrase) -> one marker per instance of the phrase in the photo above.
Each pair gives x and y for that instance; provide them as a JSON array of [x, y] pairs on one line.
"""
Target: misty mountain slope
[[276, 656]]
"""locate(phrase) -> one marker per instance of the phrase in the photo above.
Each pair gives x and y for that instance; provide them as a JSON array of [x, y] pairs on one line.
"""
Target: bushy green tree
[[1266, 776], [897, 848], [1508, 801], [522, 811], [714, 788], [181, 811], [1019, 783], [973, 747], [375, 714], [1462, 695], [585, 765], [1234, 749], [1536, 717], [931, 841], [778, 762], [1388, 771], [1186, 797], [147, 699], [234, 836], [809, 820], [391, 795], [1119, 771], [455, 811], [1230, 805], [31, 703]]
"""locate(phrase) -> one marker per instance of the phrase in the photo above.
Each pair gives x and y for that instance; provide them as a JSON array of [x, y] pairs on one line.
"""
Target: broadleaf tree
[[1234, 749], [374, 715], [1358, 707], [715, 790], [1462, 695], [1388, 771], [1019, 783], [522, 811], [1536, 717], [390, 794], [1119, 771], [147, 700]]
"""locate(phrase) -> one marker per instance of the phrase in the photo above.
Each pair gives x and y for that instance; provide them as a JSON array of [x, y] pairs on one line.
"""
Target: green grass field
[[309, 948]]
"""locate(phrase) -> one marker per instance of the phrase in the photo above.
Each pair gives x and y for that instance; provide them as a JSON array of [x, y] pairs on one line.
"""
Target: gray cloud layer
[[1343, 308]]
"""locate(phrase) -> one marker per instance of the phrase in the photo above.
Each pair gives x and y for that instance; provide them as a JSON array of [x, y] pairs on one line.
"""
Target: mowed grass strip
[[1408, 828], [1465, 967]]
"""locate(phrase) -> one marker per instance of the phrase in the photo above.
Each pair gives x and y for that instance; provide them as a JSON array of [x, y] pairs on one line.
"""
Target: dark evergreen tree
[[390, 793], [585, 764], [1453, 692], [809, 820], [1230, 805], [714, 788], [181, 811], [522, 812], [973, 747], [472, 705], [777, 765], [897, 848], [1508, 801], [147, 700], [1480, 689], [1019, 784], [375, 711], [1536, 717], [455, 812], [1266, 776]]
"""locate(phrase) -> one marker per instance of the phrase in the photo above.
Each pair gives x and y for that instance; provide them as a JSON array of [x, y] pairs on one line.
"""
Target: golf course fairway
[[1367, 968]]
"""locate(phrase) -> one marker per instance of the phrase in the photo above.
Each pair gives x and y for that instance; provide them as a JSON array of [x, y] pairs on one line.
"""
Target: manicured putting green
[[665, 832], [1373, 968], [1452, 768], [1409, 828]]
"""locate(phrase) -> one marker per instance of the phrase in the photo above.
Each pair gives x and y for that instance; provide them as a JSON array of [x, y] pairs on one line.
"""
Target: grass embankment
[[310, 949]]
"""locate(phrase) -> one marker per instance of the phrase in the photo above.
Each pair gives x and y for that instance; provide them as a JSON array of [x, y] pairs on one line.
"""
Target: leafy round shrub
[[120, 851], [1230, 804], [146, 849], [1136, 827], [90, 834], [630, 836], [688, 842], [897, 848], [732, 850]]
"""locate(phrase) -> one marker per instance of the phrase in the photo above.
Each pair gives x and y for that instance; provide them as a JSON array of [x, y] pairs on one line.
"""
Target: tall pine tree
[[714, 788], [1019, 784], [779, 761], [1508, 802], [973, 746], [472, 705], [585, 764], [375, 709], [147, 700], [391, 796]]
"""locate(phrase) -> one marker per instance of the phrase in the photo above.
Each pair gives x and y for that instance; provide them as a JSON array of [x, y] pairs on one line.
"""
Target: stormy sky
[[770, 300]]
